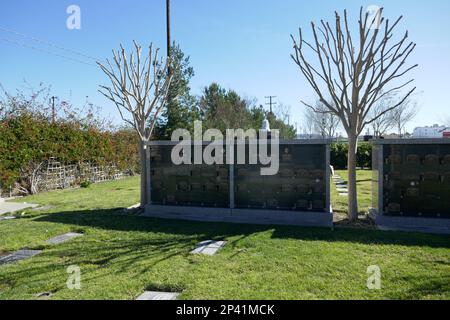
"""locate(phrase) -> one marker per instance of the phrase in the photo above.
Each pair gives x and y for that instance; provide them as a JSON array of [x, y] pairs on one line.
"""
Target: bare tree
[[356, 75], [283, 112], [323, 123], [384, 122], [397, 118], [403, 114], [139, 90], [308, 122]]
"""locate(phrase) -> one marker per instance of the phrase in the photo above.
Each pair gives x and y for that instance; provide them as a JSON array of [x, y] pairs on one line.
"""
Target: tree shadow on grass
[[136, 244], [364, 236], [137, 254], [133, 244], [189, 232], [420, 287], [144, 236]]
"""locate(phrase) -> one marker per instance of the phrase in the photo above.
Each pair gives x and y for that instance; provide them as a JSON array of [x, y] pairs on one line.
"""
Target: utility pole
[[53, 109], [271, 103], [168, 27]]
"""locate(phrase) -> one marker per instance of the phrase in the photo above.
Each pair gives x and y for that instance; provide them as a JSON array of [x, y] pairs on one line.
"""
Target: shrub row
[[26, 140], [338, 155]]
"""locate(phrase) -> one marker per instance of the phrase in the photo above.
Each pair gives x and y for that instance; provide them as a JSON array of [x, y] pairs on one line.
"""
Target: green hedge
[[26, 140], [338, 155]]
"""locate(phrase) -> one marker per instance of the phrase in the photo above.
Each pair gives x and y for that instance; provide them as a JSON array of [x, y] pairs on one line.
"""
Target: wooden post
[[168, 27]]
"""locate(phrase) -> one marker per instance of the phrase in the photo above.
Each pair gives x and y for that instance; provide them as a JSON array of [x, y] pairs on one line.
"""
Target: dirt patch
[[340, 220]]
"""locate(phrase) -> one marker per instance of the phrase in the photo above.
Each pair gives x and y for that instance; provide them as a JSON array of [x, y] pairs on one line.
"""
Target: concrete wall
[[406, 221], [242, 215]]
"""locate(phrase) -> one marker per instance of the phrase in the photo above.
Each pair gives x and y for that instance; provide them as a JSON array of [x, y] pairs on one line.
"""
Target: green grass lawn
[[121, 256], [364, 185]]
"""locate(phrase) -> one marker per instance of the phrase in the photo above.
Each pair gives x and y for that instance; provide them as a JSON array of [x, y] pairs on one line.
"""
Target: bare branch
[[139, 87], [355, 72]]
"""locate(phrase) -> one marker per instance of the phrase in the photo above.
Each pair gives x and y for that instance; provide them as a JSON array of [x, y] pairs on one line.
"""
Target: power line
[[47, 43], [47, 52]]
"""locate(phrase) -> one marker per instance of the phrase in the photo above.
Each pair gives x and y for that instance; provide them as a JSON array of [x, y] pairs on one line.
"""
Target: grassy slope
[[120, 256]]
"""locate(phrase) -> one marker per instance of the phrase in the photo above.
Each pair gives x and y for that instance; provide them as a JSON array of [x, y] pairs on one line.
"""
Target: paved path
[[341, 185], [9, 207]]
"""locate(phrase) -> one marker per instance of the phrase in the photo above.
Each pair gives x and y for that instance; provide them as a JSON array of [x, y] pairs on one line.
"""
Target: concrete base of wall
[[246, 216], [411, 224]]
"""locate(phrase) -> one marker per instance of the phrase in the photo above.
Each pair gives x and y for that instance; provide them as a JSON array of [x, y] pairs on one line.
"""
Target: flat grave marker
[[208, 247], [155, 295], [19, 255], [64, 237], [7, 218]]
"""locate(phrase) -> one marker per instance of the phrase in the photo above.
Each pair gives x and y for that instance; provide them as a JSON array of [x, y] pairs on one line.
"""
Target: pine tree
[[181, 109]]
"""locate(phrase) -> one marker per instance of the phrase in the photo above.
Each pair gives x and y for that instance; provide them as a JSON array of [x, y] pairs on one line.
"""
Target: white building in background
[[435, 131]]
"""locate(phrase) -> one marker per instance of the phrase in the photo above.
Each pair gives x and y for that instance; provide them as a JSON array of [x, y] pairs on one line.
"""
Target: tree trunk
[[351, 166], [144, 186]]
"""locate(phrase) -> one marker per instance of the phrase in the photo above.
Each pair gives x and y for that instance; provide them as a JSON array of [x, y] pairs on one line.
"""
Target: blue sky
[[241, 44]]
